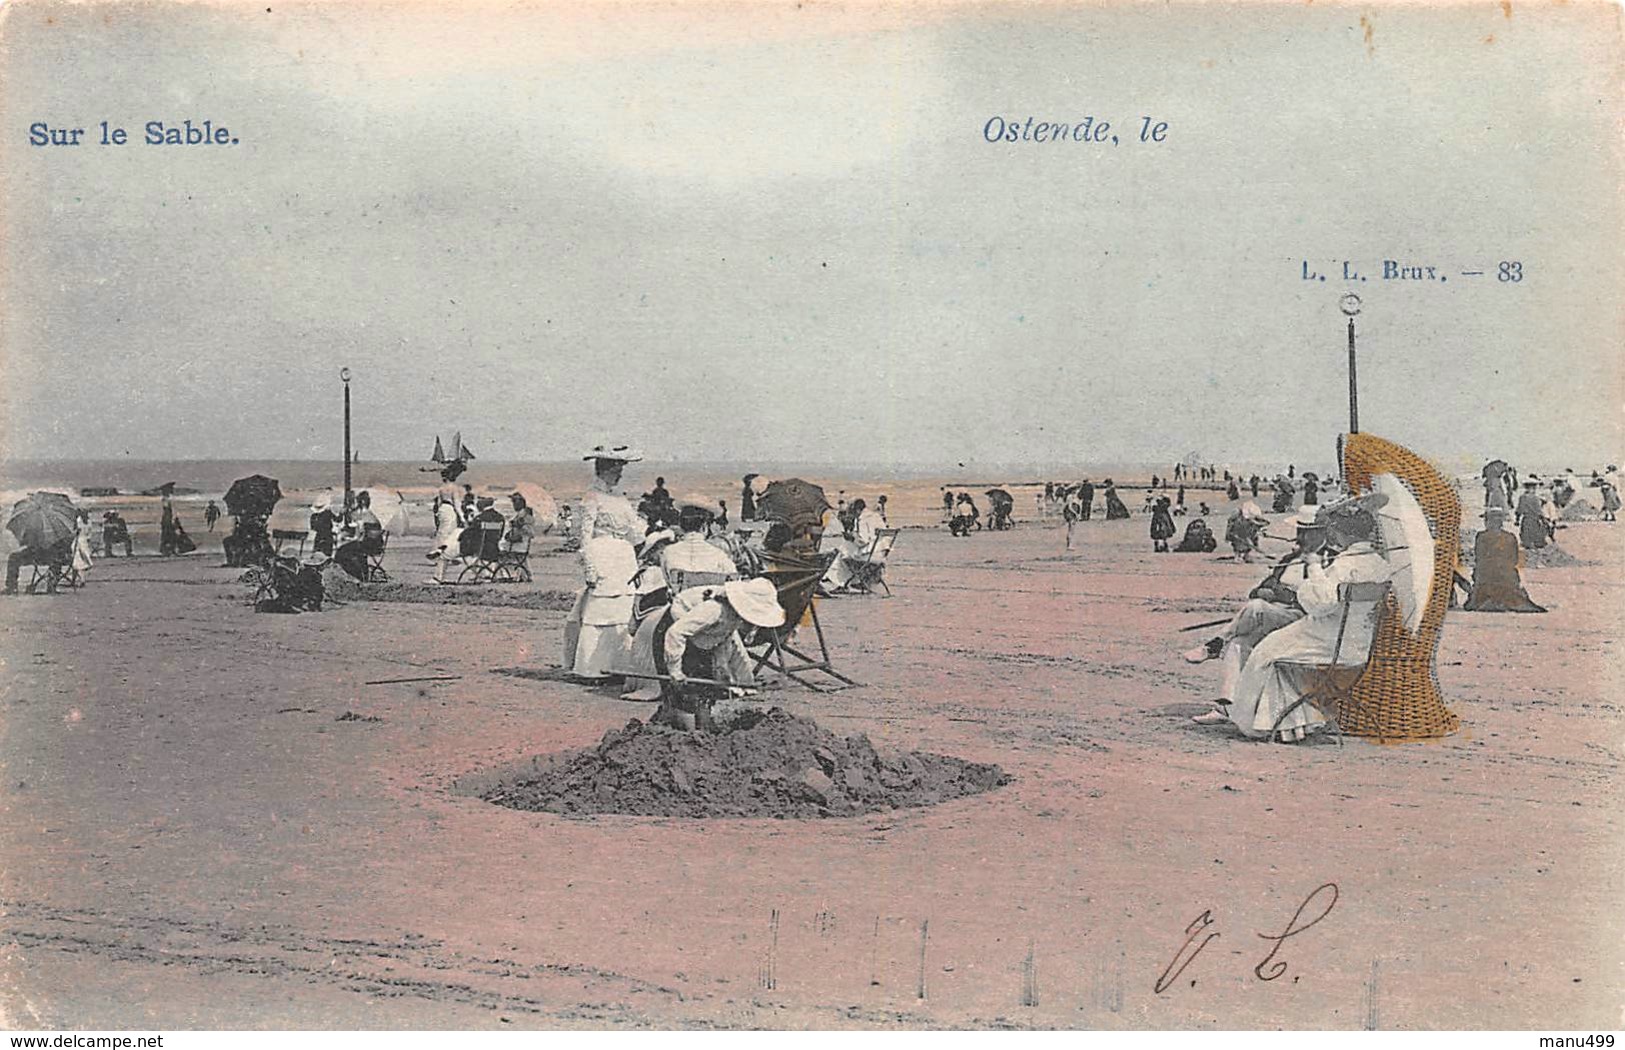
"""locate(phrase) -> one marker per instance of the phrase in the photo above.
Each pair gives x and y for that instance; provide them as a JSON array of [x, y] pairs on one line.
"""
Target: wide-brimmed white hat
[[616, 453], [1307, 518], [1251, 510], [755, 601], [321, 503]]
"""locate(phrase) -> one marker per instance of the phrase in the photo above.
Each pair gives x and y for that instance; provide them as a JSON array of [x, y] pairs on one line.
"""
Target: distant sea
[[914, 493]]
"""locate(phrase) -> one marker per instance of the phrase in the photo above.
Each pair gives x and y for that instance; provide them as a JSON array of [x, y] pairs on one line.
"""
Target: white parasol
[[1405, 534], [542, 502]]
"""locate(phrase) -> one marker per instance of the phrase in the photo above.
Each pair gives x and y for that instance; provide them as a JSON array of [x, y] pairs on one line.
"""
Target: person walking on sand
[[211, 514], [1086, 498], [1071, 513], [444, 547]]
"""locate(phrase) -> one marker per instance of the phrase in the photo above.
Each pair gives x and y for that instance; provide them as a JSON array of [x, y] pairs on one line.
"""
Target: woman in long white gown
[[1266, 688], [598, 630]]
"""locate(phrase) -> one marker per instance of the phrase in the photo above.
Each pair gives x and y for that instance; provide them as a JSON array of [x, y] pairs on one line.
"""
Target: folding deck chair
[[375, 540], [487, 563], [869, 568], [1329, 686], [281, 536], [796, 580]]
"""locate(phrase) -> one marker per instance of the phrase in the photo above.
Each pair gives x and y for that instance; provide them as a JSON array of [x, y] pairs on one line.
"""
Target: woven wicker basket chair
[[1398, 698]]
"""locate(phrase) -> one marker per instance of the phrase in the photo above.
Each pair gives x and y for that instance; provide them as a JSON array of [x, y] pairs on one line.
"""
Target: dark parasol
[[799, 504], [43, 520], [254, 496]]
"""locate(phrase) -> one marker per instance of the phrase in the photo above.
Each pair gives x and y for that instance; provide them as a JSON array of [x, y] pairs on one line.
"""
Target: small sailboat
[[450, 466]]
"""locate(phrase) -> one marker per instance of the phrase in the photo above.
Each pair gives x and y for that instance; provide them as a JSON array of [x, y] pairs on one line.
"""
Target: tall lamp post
[[1350, 305], [343, 374]]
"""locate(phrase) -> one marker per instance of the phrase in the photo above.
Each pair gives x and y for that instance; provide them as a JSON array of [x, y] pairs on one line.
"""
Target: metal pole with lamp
[[344, 374], [1350, 305]]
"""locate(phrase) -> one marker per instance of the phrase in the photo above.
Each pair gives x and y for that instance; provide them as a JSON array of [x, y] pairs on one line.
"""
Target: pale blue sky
[[780, 235]]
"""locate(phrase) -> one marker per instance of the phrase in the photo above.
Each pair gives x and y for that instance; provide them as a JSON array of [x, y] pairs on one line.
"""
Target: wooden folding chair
[[796, 581], [1330, 685], [375, 540], [281, 536], [869, 568], [486, 563]]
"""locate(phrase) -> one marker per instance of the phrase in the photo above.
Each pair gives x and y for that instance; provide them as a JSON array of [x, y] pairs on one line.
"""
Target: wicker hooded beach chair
[[1398, 698]]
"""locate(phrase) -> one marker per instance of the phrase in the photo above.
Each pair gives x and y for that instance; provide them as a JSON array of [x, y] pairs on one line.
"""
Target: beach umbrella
[[1403, 527], [253, 496], [799, 504], [43, 520], [1000, 496], [1310, 475]]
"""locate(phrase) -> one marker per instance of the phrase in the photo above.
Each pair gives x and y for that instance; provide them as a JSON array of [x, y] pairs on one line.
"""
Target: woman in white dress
[[447, 527], [598, 630], [1266, 689]]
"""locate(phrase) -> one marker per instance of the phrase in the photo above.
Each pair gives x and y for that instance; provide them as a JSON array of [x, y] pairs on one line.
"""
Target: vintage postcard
[[868, 515]]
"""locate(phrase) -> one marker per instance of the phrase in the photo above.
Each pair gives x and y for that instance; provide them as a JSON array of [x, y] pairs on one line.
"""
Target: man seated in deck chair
[[478, 543], [1265, 689], [693, 554]]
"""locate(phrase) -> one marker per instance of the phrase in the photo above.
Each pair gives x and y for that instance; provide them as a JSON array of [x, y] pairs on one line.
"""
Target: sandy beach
[[212, 819]]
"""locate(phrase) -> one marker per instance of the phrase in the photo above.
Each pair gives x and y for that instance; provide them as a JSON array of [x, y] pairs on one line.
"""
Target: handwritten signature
[[1199, 934]]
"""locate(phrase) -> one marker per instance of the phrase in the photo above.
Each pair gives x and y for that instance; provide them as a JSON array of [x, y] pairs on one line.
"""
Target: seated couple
[[1293, 616]]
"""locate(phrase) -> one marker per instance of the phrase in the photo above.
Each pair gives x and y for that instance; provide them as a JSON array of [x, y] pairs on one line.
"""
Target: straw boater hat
[[1307, 518], [615, 453], [755, 601], [321, 503]]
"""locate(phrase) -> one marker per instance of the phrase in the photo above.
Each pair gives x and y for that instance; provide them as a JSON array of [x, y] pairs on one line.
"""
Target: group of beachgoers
[[1296, 617], [667, 596]]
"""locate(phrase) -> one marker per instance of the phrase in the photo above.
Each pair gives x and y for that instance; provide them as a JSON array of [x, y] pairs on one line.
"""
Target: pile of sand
[[1550, 556], [1579, 510], [766, 764]]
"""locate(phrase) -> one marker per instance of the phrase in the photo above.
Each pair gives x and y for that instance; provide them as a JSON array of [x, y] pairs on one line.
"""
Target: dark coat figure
[[321, 528], [1496, 559], [166, 530], [1252, 483], [1532, 530], [1114, 506], [1086, 497], [1179, 501], [1283, 496], [1162, 526], [115, 532], [475, 541], [211, 514], [747, 499], [1311, 493], [184, 544], [248, 543], [1198, 539], [1232, 491]]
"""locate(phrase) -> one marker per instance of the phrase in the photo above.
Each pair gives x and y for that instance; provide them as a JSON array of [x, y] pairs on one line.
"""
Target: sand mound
[[1580, 510], [1550, 556], [767, 764]]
